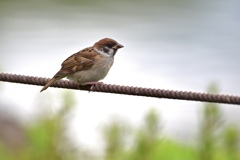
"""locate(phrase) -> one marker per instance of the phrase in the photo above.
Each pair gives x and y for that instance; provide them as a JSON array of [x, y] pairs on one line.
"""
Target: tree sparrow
[[89, 65]]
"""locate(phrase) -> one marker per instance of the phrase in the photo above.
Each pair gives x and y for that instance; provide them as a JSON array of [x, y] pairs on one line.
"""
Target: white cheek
[[111, 52]]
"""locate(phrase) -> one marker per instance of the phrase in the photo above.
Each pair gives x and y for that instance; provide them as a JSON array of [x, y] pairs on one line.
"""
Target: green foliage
[[210, 123], [114, 136], [231, 140], [46, 138], [147, 137], [209, 126], [148, 142]]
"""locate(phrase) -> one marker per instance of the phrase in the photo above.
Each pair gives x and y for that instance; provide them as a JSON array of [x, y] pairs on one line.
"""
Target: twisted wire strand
[[128, 90]]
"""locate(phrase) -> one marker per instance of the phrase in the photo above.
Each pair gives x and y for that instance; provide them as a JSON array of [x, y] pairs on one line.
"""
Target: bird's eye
[[110, 45]]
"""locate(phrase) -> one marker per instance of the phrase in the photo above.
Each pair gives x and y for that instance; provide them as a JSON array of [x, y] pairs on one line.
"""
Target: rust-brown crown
[[109, 43]]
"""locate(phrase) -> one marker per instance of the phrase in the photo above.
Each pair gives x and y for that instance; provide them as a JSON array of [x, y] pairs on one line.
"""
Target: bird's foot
[[90, 83], [93, 84]]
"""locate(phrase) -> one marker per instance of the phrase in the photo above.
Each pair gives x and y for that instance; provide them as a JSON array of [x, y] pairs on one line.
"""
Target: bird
[[89, 65]]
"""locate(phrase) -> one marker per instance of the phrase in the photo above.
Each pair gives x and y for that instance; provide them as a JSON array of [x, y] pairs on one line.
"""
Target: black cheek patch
[[105, 49]]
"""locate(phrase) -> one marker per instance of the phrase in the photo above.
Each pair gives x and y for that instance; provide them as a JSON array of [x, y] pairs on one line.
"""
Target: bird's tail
[[49, 83]]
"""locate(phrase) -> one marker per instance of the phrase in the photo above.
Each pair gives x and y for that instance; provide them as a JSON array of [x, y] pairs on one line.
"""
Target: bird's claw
[[93, 85]]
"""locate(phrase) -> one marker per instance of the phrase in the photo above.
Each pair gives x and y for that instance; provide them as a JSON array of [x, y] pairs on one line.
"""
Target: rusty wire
[[128, 90]]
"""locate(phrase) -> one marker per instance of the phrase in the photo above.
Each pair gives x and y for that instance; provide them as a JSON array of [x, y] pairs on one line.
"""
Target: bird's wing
[[79, 61]]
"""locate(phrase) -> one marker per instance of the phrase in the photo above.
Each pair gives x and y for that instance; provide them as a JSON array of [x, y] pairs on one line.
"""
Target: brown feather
[[49, 83], [79, 61]]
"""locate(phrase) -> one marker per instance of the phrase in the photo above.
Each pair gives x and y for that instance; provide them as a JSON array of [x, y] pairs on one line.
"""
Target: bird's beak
[[118, 46]]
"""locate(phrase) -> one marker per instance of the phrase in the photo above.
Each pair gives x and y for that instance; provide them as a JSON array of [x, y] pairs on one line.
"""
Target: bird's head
[[107, 47]]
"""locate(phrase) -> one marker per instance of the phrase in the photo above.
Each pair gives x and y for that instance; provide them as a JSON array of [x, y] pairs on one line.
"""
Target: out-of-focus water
[[180, 45]]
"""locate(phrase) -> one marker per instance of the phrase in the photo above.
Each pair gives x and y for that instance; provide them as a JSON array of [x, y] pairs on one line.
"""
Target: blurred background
[[177, 45]]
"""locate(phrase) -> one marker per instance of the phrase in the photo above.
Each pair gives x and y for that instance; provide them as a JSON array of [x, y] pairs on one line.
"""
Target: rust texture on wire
[[128, 90]]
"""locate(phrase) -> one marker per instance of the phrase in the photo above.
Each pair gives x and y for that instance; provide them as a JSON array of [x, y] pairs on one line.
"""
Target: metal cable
[[138, 91]]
